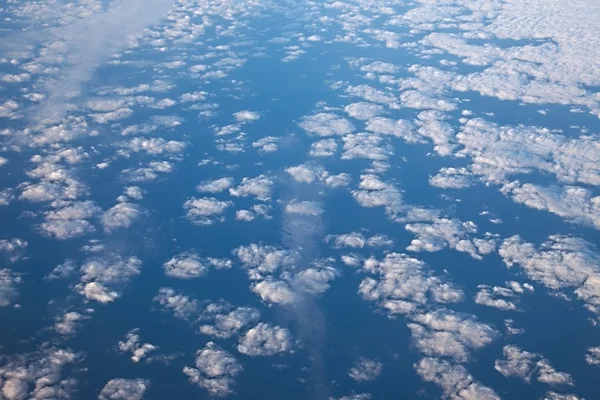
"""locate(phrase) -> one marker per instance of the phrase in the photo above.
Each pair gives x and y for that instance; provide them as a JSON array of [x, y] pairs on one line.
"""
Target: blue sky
[[274, 199]]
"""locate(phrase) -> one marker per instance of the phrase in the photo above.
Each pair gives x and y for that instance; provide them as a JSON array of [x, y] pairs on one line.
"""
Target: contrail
[[302, 233]]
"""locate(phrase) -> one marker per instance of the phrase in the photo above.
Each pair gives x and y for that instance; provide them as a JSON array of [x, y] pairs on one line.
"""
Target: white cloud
[[524, 365], [38, 375], [267, 144], [215, 186], [68, 323], [246, 116], [455, 380], [445, 333], [277, 292], [561, 263], [452, 178], [120, 216], [215, 370], [323, 148], [124, 389], [185, 266], [154, 146], [149, 173], [265, 340], [8, 290], [133, 345], [363, 111], [503, 298], [327, 124], [375, 193], [404, 284], [366, 146], [593, 356], [304, 208], [365, 370], [205, 210], [259, 187], [226, 320], [100, 273], [396, 128], [182, 306]]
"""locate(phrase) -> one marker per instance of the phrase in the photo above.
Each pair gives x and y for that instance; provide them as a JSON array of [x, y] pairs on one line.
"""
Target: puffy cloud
[[154, 146], [444, 333], [133, 345], [373, 95], [363, 110], [327, 124], [522, 364], [226, 320], [185, 266], [277, 292], [38, 375], [452, 178], [503, 298], [124, 389], [149, 173], [205, 210], [396, 128], [593, 356], [215, 186], [323, 148], [365, 370], [98, 274], [265, 340], [573, 203], [246, 116], [375, 193], [8, 290], [404, 284], [262, 260], [215, 370], [67, 323], [259, 187], [434, 233], [560, 263], [134, 192], [307, 173], [120, 216], [267, 144], [366, 146], [182, 306], [13, 248], [455, 380]]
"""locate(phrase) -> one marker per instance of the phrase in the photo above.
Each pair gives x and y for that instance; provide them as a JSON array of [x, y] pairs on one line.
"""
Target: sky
[[349, 200]]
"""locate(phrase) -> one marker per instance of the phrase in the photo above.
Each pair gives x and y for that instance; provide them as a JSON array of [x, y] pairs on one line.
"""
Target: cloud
[[124, 389], [259, 187], [452, 178], [182, 306], [277, 292], [88, 42], [404, 284], [455, 380], [153, 146], [561, 263], [215, 186], [323, 148], [366, 146], [593, 356], [215, 370], [8, 290], [38, 375], [365, 370], [363, 110], [13, 248], [327, 124], [226, 320], [265, 340], [304, 208], [68, 323], [396, 128], [149, 173], [120, 216], [133, 345], [205, 210], [98, 274], [185, 266], [246, 116], [574, 203], [502, 298], [375, 193], [522, 364], [268, 144], [444, 333]]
